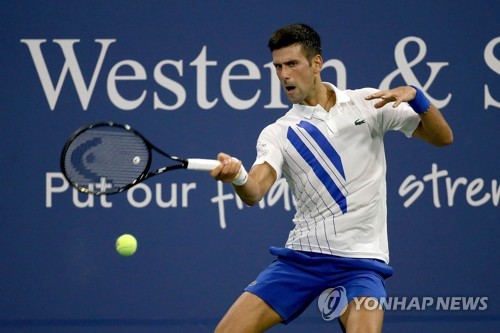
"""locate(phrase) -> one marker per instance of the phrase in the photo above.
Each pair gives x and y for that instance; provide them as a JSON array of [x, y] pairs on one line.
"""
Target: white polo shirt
[[334, 163]]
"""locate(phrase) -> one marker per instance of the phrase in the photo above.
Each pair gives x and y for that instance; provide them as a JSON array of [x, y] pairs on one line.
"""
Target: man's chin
[[293, 99]]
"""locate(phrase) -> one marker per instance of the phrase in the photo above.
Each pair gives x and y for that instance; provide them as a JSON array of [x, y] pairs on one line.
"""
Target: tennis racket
[[108, 158]]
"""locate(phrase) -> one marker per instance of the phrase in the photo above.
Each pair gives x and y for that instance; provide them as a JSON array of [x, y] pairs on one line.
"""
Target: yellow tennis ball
[[126, 245]]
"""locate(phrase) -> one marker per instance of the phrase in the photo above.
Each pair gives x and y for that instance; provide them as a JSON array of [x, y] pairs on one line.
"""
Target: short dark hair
[[300, 34]]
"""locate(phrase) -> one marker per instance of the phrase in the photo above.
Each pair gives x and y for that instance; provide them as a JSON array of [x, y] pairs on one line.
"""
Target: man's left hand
[[397, 95]]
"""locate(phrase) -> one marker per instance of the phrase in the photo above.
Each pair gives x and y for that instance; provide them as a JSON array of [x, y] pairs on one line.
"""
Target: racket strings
[[106, 159]]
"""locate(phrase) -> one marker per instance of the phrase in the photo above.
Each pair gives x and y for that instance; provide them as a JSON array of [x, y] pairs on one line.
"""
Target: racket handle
[[202, 164]]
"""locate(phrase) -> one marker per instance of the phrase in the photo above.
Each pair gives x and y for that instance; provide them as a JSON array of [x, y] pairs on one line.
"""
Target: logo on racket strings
[[332, 303]]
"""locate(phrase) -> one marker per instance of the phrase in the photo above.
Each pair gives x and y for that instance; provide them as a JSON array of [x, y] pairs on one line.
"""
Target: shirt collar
[[307, 111]]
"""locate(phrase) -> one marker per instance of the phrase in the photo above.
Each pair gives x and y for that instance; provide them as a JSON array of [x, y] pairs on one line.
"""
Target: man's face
[[295, 72]]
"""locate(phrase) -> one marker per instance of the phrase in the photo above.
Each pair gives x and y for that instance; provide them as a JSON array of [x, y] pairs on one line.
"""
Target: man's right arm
[[260, 178]]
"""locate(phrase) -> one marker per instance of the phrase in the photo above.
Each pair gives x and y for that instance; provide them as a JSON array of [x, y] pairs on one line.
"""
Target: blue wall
[[197, 250]]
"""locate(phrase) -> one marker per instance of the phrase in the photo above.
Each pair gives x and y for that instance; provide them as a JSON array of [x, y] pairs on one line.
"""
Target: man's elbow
[[250, 203], [251, 200], [444, 140]]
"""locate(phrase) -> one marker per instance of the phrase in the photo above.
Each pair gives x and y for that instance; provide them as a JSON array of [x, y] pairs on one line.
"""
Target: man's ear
[[317, 63]]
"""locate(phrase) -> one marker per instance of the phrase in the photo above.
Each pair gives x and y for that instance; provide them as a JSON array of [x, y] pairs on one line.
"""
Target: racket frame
[[142, 177]]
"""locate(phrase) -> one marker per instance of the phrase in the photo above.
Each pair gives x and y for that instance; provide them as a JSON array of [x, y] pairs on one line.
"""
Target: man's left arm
[[432, 128]]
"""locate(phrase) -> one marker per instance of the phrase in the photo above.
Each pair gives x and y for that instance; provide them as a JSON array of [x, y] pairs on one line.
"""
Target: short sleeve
[[402, 118], [268, 150]]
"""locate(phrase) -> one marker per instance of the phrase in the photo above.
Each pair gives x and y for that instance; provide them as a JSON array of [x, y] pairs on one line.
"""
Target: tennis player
[[329, 147]]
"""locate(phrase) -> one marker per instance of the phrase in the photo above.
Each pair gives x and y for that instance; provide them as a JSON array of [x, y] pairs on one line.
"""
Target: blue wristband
[[420, 104]]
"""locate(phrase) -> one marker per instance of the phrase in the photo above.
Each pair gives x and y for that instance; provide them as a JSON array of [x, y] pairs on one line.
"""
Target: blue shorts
[[296, 278]]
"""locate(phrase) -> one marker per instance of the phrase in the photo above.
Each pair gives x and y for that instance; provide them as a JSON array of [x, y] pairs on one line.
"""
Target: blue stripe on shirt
[[320, 172], [324, 144]]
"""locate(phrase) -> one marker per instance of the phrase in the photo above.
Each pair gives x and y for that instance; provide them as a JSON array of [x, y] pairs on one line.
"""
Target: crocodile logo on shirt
[[359, 122]]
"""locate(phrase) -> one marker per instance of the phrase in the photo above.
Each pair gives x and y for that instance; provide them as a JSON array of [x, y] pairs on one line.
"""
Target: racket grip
[[202, 164]]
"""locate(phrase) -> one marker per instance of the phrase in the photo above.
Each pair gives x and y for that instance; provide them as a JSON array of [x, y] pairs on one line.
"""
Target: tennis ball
[[126, 245]]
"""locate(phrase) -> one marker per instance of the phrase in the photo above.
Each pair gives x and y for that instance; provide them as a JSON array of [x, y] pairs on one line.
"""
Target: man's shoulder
[[360, 92], [355, 96], [290, 116], [281, 124]]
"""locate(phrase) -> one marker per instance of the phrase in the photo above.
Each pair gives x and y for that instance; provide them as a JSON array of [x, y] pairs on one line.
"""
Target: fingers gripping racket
[[107, 158]]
